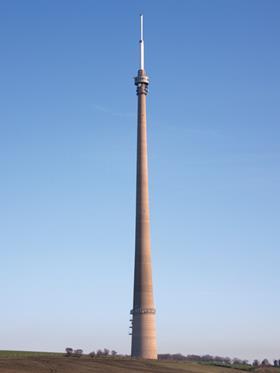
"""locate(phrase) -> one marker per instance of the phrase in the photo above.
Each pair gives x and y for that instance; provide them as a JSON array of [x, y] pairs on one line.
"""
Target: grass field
[[23, 354], [48, 362]]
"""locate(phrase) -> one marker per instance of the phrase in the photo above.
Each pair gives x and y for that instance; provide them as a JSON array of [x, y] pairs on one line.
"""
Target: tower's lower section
[[144, 334]]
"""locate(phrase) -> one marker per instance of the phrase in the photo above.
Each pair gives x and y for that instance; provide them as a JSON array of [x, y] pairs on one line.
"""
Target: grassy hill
[[23, 354], [47, 362]]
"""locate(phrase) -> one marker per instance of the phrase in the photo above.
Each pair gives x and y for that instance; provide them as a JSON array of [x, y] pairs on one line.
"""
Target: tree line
[[210, 359], [219, 360], [70, 352]]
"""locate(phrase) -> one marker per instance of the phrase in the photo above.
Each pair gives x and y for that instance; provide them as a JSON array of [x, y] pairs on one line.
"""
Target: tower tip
[[141, 27], [141, 43]]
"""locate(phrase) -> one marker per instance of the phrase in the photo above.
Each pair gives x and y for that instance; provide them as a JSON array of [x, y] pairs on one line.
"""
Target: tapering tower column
[[143, 312]]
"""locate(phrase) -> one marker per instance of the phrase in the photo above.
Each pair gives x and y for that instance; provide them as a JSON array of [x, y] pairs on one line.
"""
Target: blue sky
[[67, 164]]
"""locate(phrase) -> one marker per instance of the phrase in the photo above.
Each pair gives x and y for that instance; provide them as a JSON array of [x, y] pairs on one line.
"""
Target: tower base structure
[[144, 344]]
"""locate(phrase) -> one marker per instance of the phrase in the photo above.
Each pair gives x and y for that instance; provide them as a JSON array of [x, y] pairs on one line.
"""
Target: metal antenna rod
[[141, 43]]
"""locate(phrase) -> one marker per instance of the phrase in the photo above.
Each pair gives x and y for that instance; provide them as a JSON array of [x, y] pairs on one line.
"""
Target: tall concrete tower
[[143, 312]]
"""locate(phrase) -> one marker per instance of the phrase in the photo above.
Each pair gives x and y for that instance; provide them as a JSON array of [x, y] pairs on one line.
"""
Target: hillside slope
[[60, 364]]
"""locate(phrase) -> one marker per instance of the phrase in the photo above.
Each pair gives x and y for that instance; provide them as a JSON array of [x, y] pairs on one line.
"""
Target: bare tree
[[227, 360], [206, 358], [78, 352], [99, 353], [219, 359], [92, 354], [256, 363], [237, 361], [265, 363], [69, 351], [114, 353]]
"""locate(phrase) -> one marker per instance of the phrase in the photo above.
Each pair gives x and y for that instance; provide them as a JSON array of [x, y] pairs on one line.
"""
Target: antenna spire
[[141, 43]]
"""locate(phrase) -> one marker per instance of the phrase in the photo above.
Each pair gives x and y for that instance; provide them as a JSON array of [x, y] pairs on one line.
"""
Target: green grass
[[42, 362], [22, 354], [247, 368]]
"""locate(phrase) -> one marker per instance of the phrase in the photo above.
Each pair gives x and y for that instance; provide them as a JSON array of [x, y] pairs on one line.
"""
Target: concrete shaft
[[143, 312]]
